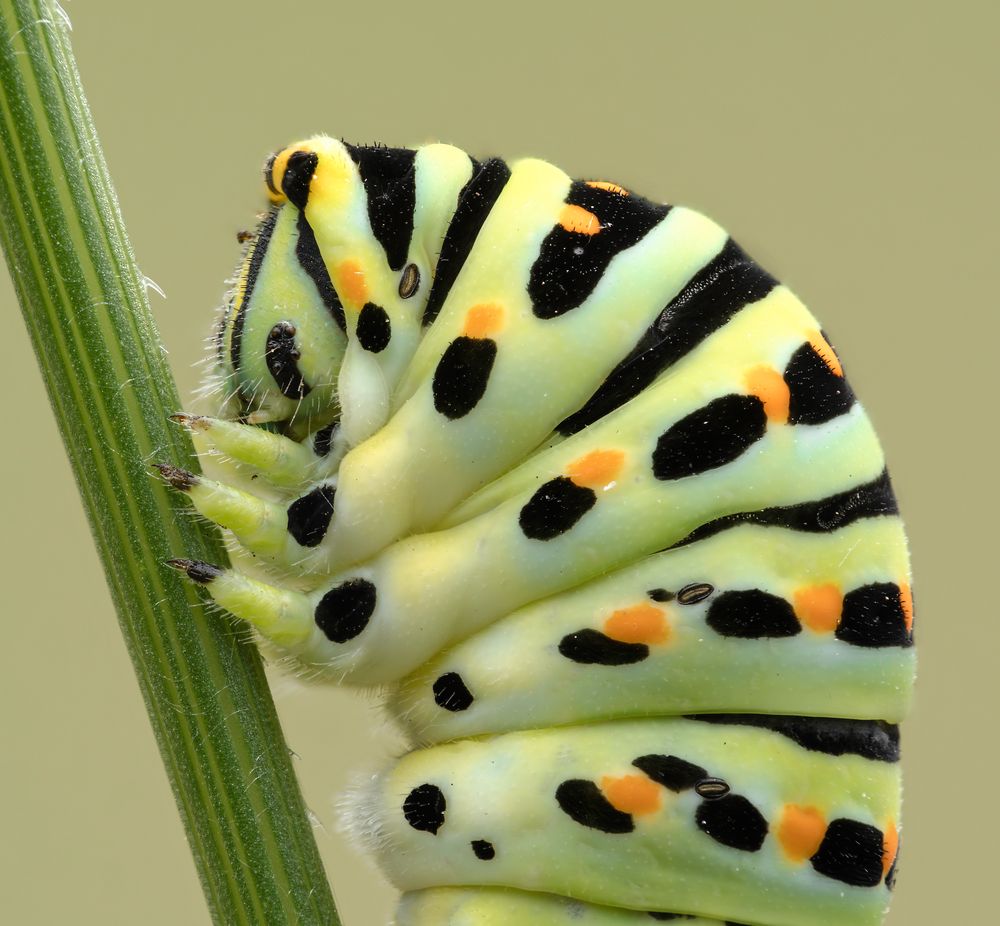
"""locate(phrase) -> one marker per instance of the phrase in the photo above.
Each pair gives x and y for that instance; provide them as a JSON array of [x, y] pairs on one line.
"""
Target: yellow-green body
[[561, 468]]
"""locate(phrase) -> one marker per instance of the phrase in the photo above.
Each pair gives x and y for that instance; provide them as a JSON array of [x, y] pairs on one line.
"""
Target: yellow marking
[[610, 187], [640, 623], [483, 320], [578, 219], [351, 283], [770, 387], [906, 600], [596, 469], [801, 831], [632, 794], [819, 606], [826, 352]]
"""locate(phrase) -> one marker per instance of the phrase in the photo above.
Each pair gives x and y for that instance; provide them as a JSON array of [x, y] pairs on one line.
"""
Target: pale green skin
[[499, 907], [502, 790], [427, 510], [520, 680]]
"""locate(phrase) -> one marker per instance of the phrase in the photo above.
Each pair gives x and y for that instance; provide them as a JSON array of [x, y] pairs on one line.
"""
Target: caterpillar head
[[282, 339]]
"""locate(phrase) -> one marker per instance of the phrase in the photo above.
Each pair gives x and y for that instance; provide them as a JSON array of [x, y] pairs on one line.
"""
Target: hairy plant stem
[[85, 306]]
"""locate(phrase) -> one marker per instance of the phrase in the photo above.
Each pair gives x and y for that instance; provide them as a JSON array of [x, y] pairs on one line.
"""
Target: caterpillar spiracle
[[586, 490]]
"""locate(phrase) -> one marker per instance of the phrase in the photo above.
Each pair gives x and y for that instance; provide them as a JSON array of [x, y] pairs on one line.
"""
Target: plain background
[[850, 147]]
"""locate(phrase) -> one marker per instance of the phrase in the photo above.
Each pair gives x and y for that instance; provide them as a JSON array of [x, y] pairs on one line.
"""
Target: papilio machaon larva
[[587, 490]]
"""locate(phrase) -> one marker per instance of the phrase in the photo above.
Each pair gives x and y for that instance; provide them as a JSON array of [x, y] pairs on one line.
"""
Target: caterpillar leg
[[280, 533], [281, 460], [501, 907], [281, 616]]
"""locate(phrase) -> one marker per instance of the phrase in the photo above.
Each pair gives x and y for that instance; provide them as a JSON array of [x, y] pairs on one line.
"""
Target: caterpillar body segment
[[675, 814], [588, 491], [749, 620], [502, 907]]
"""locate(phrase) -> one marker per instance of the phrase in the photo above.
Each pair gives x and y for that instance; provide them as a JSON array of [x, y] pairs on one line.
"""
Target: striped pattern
[[588, 482]]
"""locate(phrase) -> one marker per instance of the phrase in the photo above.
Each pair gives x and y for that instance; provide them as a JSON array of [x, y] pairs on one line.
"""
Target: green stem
[[85, 306]]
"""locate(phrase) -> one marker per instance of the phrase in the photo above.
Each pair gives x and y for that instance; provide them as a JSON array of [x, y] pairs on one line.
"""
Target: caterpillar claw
[[180, 479], [197, 570], [191, 422]]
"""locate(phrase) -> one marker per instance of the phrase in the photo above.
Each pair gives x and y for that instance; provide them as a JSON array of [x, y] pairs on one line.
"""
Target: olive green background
[[850, 147]]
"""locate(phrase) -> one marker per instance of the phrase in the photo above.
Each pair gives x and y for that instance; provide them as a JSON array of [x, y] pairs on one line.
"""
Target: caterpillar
[[586, 491]]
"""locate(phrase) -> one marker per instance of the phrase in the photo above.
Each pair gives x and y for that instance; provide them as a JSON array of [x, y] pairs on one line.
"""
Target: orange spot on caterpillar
[[906, 600], [351, 283], [483, 320], [819, 606], [770, 387], [578, 219], [633, 794], [610, 187], [640, 623], [890, 846], [800, 831], [826, 352], [597, 468]]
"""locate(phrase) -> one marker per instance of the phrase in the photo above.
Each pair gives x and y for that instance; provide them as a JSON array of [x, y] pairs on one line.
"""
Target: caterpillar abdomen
[[588, 491]]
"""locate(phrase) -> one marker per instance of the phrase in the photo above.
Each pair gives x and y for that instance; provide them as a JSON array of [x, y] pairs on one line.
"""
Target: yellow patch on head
[[800, 831], [578, 219], [770, 387], [351, 283], [336, 179], [596, 469], [890, 846], [640, 623], [906, 601], [610, 187], [483, 320], [819, 606], [826, 352], [632, 794]]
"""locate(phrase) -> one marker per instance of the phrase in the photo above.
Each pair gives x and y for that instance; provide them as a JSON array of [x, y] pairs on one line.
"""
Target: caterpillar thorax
[[588, 491]]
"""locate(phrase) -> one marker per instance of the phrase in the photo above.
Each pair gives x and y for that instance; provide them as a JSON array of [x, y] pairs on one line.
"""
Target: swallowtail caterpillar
[[587, 491]]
